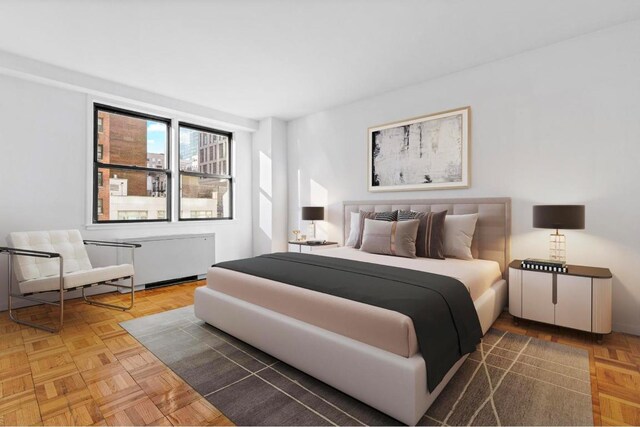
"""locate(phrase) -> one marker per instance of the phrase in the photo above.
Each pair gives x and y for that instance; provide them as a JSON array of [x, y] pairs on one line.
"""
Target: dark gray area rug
[[510, 380]]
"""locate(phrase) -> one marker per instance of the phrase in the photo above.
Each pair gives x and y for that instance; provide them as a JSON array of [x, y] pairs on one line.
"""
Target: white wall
[[44, 146], [280, 188], [554, 125], [270, 187]]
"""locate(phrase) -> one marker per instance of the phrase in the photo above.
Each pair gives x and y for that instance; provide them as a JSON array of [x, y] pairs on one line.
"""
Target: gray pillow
[[458, 235], [390, 237], [387, 216]]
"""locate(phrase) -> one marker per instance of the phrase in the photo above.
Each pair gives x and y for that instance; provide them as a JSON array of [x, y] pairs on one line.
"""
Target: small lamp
[[566, 217], [313, 213]]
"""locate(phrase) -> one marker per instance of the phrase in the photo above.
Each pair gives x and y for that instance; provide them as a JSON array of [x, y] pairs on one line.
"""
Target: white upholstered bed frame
[[391, 383]]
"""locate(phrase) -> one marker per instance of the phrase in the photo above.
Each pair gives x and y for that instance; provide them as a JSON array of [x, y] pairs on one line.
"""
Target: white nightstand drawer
[[515, 292], [573, 306], [537, 296]]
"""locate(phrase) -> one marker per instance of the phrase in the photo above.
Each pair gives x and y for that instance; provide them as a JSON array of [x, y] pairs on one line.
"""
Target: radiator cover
[[164, 258]]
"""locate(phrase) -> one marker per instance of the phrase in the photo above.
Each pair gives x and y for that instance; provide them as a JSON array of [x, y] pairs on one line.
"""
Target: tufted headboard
[[492, 239]]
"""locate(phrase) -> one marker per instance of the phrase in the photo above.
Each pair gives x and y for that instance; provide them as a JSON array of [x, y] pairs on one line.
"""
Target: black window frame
[[98, 164], [229, 177]]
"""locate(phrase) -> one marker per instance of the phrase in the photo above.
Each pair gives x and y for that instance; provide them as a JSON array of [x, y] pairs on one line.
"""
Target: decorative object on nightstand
[[578, 299], [565, 217], [296, 235], [316, 242], [311, 246], [313, 213], [544, 265]]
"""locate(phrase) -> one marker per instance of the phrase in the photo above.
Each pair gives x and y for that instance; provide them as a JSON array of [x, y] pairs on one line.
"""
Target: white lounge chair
[[57, 261]]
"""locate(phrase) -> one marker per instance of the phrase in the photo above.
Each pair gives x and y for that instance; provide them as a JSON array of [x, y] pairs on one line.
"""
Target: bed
[[367, 352]]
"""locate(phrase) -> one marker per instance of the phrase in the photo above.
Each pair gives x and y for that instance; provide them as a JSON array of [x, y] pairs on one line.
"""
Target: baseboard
[[161, 284], [627, 328]]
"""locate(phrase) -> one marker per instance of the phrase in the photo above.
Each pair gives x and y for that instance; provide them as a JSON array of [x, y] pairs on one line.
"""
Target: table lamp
[[565, 217], [313, 213]]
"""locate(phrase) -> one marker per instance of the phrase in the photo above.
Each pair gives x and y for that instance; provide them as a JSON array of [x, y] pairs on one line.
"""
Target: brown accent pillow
[[430, 239], [363, 215]]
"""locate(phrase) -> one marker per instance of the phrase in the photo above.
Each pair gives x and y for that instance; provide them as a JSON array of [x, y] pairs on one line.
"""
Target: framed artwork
[[424, 153]]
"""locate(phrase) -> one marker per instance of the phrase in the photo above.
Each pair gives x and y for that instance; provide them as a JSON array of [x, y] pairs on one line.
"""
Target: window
[[205, 191], [132, 173], [134, 186]]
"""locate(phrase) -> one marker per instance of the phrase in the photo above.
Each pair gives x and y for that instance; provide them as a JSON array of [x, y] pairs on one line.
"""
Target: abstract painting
[[424, 153]]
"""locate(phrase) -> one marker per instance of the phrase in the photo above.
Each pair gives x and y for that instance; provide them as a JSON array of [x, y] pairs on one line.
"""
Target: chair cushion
[[77, 278], [67, 243]]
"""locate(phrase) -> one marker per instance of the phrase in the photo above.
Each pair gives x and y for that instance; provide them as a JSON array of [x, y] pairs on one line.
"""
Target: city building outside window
[[132, 215], [201, 214], [136, 188], [206, 183]]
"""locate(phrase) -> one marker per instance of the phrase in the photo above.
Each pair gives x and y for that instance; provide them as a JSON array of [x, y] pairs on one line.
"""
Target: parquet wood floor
[[95, 373]]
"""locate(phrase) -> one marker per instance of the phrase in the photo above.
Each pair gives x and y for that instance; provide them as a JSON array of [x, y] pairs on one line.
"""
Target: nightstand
[[304, 247], [579, 299]]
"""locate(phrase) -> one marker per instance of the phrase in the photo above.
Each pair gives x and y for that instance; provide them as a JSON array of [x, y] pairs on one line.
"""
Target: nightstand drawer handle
[[554, 297]]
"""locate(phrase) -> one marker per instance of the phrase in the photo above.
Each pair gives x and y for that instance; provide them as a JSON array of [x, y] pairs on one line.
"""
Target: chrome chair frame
[[12, 252]]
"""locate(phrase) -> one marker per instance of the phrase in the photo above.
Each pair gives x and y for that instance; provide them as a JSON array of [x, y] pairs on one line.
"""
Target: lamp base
[[312, 228], [557, 247]]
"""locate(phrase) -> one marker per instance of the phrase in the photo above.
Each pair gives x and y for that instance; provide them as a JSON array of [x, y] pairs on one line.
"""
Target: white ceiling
[[288, 58]]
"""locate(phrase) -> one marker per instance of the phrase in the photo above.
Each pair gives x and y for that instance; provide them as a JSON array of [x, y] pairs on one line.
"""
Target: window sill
[[175, 225]]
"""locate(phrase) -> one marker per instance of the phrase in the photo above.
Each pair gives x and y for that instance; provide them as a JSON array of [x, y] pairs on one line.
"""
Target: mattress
[[379, 327]]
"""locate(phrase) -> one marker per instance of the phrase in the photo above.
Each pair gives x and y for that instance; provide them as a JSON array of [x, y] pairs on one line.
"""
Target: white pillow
[[354, 230], [458, 235]]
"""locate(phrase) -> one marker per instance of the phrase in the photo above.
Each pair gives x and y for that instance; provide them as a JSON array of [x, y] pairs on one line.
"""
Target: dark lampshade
[[312, 213], [565, 217]]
